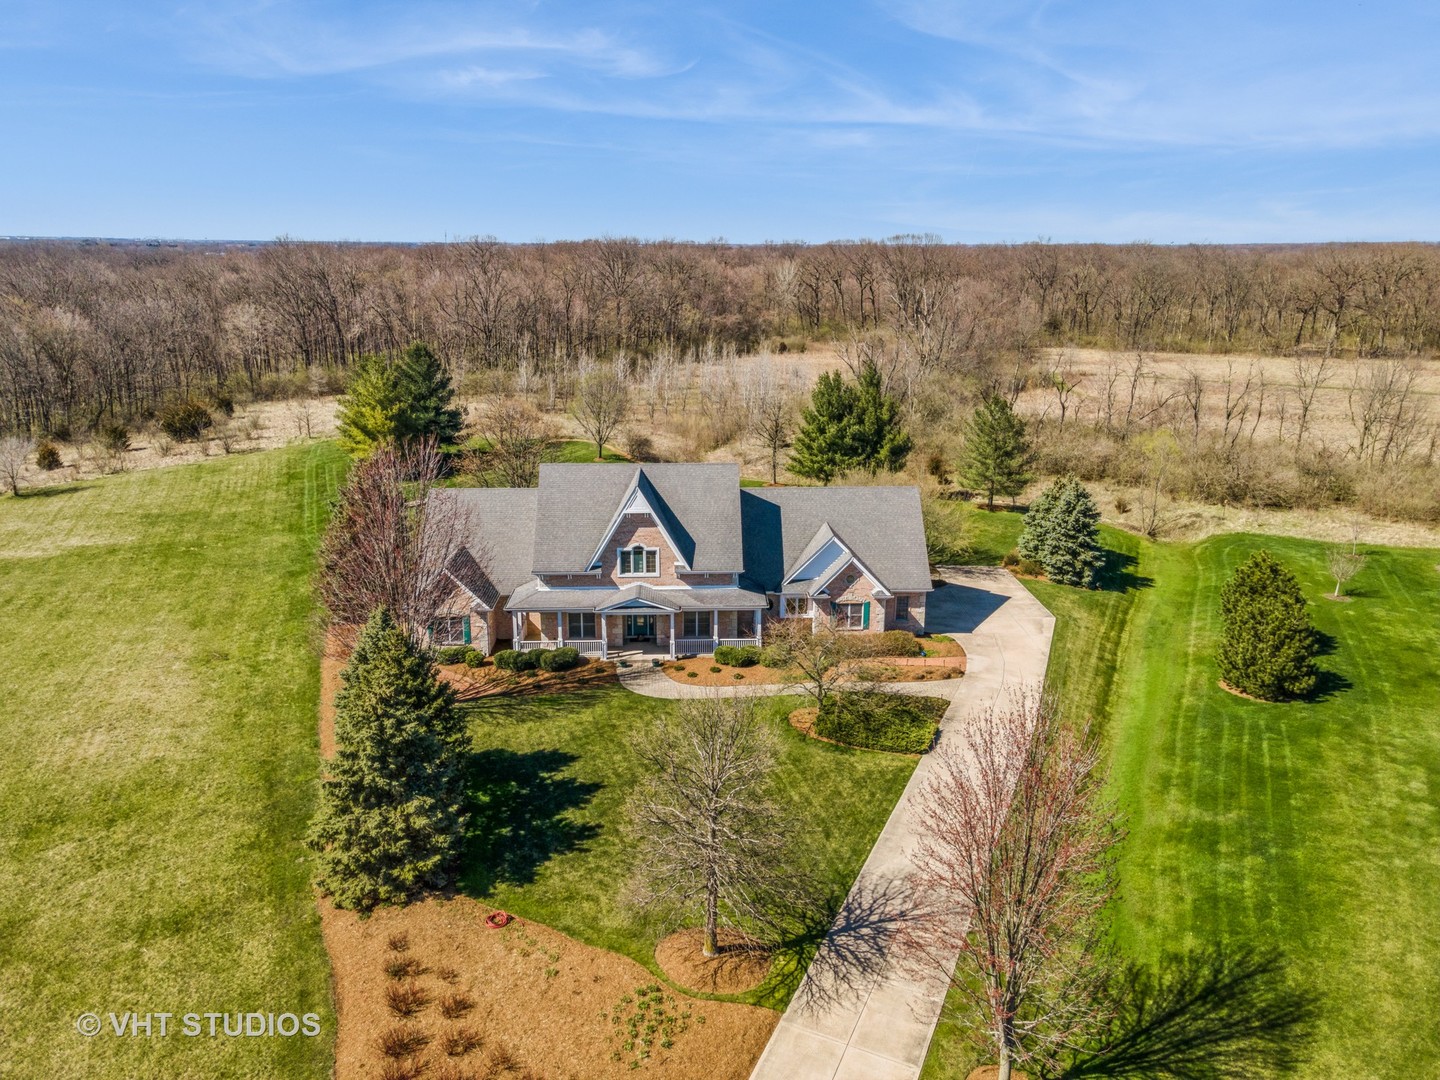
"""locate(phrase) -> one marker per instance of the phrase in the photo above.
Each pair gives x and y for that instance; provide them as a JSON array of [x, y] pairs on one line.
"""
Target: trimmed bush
[[774, 656], [561, 659], [515, 660], [474, 657], [874, 720], [185, 421], [47, 456], [451, 654], [899, 643], [737, 655]]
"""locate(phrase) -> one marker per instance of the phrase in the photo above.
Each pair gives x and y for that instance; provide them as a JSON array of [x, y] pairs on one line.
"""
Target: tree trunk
[[712, 920], [1005, 1064]]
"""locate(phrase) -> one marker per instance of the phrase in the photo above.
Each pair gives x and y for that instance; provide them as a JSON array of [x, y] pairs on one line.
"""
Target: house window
[[797, 606], [902, 609], [580, 625], [451, 630], [695, 624], [639, 561], [850, 616]]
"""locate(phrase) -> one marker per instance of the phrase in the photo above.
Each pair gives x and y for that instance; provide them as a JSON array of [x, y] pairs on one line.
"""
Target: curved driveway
[[874, 1022]]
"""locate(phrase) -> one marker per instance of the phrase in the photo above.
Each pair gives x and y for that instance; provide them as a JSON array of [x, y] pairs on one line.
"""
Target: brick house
[[675, 559]]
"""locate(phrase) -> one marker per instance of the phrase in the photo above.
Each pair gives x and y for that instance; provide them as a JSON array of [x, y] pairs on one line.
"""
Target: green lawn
[[1312, 827], [158, 764], [550, 847]]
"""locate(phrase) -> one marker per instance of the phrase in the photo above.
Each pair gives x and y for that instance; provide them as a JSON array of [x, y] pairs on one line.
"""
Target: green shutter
[[466, 627], [864, 617]]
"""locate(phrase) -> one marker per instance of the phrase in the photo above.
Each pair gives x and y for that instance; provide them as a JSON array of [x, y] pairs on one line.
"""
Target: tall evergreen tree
[[427, 398], [392, 805], [849, 426], [880, 442], [1062, 533], [369, 408], [1268, 647], [997, 453], [824, 448]]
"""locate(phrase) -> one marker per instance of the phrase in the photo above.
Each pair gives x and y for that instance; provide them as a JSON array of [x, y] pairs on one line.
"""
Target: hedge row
[[875, 720], [562, 659], [460, 654]]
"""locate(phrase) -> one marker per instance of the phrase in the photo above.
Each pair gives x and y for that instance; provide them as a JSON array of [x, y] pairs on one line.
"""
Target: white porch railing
[[753, 639], [587, 646], [694, 644]]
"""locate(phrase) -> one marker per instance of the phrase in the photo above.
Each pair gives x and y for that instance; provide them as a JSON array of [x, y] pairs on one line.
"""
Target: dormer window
[[639, 561]]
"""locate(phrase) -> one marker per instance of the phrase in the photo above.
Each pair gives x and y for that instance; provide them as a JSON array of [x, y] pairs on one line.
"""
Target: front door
[[639, 627]]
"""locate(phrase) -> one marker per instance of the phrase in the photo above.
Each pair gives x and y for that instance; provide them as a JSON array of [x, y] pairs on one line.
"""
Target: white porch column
[[604, 637], [560, 627], [757, 626], [672, 635], [715, 628], [515, 629]]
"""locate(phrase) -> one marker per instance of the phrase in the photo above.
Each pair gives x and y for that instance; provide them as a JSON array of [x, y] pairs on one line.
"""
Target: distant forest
[[100, 332]]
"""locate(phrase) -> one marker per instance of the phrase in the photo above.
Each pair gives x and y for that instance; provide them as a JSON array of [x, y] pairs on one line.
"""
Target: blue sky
[[979, 121]]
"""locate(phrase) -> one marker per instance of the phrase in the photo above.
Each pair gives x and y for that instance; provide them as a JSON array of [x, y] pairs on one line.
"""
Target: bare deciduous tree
[[602, 401], [519, 440], [815, 653], [1343, 565], [709, 839], [389, 543], [1015, 840], [14, 450]]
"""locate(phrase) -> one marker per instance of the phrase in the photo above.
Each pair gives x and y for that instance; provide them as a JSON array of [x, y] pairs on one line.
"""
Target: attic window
[[850, 579], [639, 561]]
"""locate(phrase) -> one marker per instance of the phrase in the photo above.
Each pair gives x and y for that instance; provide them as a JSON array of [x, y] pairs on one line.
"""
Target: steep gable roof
[[579, 505], [496, 526], [880, 526]]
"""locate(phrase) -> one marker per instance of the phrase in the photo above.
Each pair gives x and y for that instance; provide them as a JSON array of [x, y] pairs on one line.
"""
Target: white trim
[[630, 493], [631, 549], [877, 590]]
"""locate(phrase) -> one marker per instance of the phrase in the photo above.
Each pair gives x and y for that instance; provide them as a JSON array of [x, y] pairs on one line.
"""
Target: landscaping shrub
[[874, 720], [185, 421], [516, 660], [451, 654], [899, 643], [1031, 568], [1010, 560], [47, 456], [774, 656], [561, 659], [1062, 534], [474, 657], [738, 655], [715, 669]]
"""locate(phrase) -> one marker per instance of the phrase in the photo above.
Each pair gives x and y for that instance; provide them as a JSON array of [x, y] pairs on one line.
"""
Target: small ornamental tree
[[426, 397], [392, 805], [1062, 534], [369, 407], [997, 454], [1268, 646]]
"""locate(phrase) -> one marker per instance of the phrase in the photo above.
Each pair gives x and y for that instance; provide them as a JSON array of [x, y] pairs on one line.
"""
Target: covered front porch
[[634, 624]]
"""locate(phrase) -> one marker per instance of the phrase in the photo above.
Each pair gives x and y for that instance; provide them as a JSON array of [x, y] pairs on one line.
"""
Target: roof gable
[[697, 506]]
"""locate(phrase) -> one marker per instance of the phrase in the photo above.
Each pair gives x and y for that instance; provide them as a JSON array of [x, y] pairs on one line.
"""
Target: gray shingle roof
[[881, 525], [496, 525], [699, 505], [530, 597]]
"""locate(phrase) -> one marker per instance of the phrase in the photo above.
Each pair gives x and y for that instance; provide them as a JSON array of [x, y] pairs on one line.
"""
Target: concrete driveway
[[859, 1013]]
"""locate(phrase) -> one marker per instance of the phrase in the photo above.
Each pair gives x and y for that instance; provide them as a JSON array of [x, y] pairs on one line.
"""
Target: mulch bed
[[540, 1004], [740, 966]]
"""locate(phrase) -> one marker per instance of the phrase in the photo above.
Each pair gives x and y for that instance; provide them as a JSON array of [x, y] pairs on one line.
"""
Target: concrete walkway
[[876, 1024]]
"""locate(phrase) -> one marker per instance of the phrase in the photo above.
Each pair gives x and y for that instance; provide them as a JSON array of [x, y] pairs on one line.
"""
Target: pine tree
[[1062, 533], [426, 398], [997, 454], [370, 407], [880, 441], [1268, 646], [825, 446], [392, 805]]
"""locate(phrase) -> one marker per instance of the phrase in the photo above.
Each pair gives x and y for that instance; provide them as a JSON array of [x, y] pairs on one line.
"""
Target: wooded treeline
[[95, 332]]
